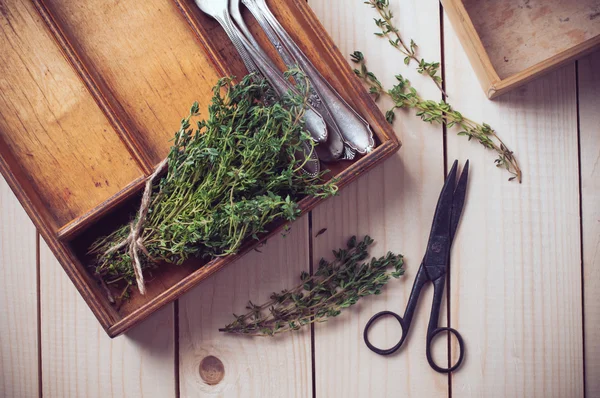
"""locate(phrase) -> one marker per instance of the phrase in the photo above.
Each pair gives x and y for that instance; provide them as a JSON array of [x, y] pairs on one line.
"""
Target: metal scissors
[[433, 269]]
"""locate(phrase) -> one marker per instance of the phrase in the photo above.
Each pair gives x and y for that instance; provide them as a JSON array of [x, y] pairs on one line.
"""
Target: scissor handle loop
[[393, 349], [461, 350]]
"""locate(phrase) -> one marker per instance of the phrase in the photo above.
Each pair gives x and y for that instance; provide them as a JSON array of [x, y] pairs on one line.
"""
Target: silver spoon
[[218, 9], [335, 140], [355, 130]]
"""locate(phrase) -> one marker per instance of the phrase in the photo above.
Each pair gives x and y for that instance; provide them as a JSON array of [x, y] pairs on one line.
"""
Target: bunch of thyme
[[404, 96], [336, 285], [227, 179]]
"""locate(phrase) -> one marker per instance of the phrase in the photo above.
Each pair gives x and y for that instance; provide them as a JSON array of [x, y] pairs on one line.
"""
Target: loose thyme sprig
[[336, 285], [391, 32], [405, 96]]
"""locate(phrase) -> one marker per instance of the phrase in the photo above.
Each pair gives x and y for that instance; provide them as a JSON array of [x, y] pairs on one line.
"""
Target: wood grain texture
[[394, 204], [48, 121], [520, 34], [589, 116], [146, 61], [522, 40], [472, 45], [18, 300], [120, 70], [515, 267], [80, 360], [253, 367], [516, 262]]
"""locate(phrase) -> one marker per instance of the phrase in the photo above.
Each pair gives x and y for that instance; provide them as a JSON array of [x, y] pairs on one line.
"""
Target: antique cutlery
[[219, 10], [335, 139], [315, 124], [355, 130]]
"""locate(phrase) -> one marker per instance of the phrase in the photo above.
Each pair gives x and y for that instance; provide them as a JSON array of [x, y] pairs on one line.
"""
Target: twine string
[[134, 241]]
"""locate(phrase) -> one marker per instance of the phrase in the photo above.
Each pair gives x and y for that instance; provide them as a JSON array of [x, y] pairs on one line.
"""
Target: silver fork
[[335, 139], [315, 124], [355, 130]]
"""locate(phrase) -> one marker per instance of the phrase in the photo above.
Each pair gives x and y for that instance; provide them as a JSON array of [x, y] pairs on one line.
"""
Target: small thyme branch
[[335, 286], [392, 33], [405, 96]]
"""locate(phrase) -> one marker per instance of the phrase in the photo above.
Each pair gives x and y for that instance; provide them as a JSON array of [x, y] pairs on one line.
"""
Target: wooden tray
[[90, 95], [511, 42]]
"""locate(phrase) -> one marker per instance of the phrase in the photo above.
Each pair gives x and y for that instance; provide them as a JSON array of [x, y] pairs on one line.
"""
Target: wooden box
[[511, 42], [91, 94]]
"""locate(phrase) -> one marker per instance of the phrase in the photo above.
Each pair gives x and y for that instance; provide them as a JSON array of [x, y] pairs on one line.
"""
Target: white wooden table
[[525, 266]]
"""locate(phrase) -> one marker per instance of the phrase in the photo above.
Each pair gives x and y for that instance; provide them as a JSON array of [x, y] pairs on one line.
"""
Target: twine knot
[[134, 241]]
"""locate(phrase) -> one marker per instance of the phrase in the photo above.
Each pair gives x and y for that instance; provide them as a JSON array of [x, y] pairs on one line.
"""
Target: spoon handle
[[355, 130], [314, 122], [335, 140], [311, 165]]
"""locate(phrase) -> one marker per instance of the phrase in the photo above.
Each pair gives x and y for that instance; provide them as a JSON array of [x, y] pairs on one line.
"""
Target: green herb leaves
[[335, 285], [227, 179], [405, 96], [391, 32]]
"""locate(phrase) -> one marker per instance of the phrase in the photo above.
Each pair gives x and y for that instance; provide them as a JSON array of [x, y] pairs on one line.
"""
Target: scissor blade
[[459, 199], [443, 211], [438, 246]]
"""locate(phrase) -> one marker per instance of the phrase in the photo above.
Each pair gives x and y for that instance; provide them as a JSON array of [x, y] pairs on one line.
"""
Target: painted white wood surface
[[516, 263], [589, 105], [80, 360], [18, 300], [516, 279], [393, 204], [253, 367]]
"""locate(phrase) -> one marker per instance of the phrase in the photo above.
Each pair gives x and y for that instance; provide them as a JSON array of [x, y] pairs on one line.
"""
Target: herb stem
[[392, 33], [404, 96], [335, 286], [227, 180]]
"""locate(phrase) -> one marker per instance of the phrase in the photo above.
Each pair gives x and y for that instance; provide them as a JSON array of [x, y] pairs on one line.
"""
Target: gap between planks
[[577, 99], [38, 289], [445, 171]]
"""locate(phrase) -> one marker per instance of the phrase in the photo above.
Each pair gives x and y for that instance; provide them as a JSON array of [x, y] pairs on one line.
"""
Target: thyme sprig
[[335, 285], [227, 179], [405, 96], [392, 33]]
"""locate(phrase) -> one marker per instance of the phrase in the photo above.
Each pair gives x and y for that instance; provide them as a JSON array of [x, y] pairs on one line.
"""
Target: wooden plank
[[18, 300], [253, 367], [152, 76], [50, 122], [394, 204], [589, 103], [80, 360], [516, 276]]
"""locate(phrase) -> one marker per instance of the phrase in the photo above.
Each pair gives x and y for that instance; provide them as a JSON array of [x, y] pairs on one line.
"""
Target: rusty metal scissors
[[433, 269]]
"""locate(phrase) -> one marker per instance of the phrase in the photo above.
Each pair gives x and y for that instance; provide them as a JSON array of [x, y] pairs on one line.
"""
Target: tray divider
[[70, 230], [107, 103]]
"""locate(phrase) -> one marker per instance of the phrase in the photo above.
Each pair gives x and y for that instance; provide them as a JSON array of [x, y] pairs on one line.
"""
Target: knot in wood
[[212, 370]]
